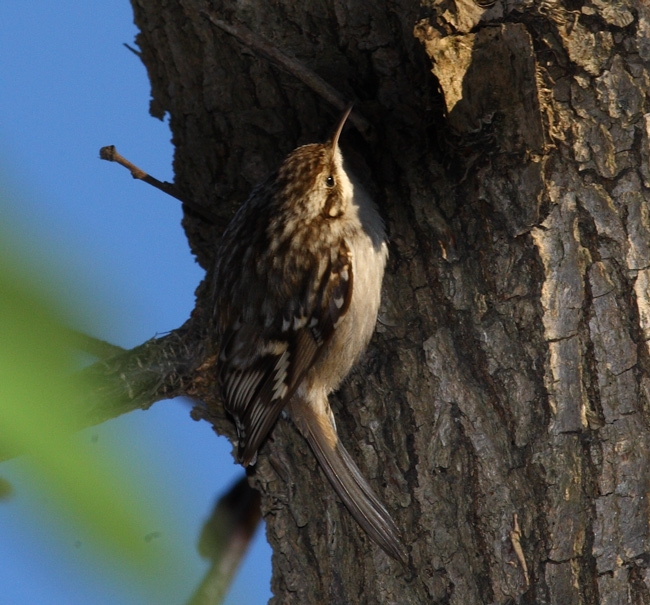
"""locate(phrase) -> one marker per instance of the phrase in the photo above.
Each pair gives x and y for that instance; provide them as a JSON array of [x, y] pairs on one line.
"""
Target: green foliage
[[37, 420]]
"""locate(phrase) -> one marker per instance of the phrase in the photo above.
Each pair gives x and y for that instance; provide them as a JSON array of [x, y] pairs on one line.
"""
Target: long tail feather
[[349, 483]]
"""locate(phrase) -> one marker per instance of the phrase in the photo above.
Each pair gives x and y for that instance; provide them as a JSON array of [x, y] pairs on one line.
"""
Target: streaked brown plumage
[[297, 291]]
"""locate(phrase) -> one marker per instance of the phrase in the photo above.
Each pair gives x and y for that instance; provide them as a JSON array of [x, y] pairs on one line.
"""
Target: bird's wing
[[263, 360]]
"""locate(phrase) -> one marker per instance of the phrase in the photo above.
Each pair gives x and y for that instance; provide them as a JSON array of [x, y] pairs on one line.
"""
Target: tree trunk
[[502, 408]]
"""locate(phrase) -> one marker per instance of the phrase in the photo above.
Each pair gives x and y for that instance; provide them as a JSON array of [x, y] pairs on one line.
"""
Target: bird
[[297, 287]]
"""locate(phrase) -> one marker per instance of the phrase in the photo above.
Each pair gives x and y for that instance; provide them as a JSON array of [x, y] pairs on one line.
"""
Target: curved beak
[[339, 128]]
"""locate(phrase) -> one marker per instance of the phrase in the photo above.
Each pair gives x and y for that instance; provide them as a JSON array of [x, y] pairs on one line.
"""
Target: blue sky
[[68, 86]]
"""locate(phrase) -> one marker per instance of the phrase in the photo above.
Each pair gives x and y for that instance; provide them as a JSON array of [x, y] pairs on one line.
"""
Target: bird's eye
[[329, 181]]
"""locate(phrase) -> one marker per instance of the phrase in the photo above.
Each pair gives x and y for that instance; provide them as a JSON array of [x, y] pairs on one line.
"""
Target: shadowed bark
[[501, 410]]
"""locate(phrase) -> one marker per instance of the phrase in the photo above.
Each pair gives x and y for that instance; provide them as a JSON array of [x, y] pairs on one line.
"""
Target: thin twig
[[136, 52], [111, 154], [264, 47]]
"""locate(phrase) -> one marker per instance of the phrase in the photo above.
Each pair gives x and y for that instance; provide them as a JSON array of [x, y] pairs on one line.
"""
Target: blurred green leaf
[[37, 384]]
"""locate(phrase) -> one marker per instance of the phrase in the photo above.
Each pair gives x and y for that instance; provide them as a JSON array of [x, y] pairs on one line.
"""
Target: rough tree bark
[[502, 409]]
